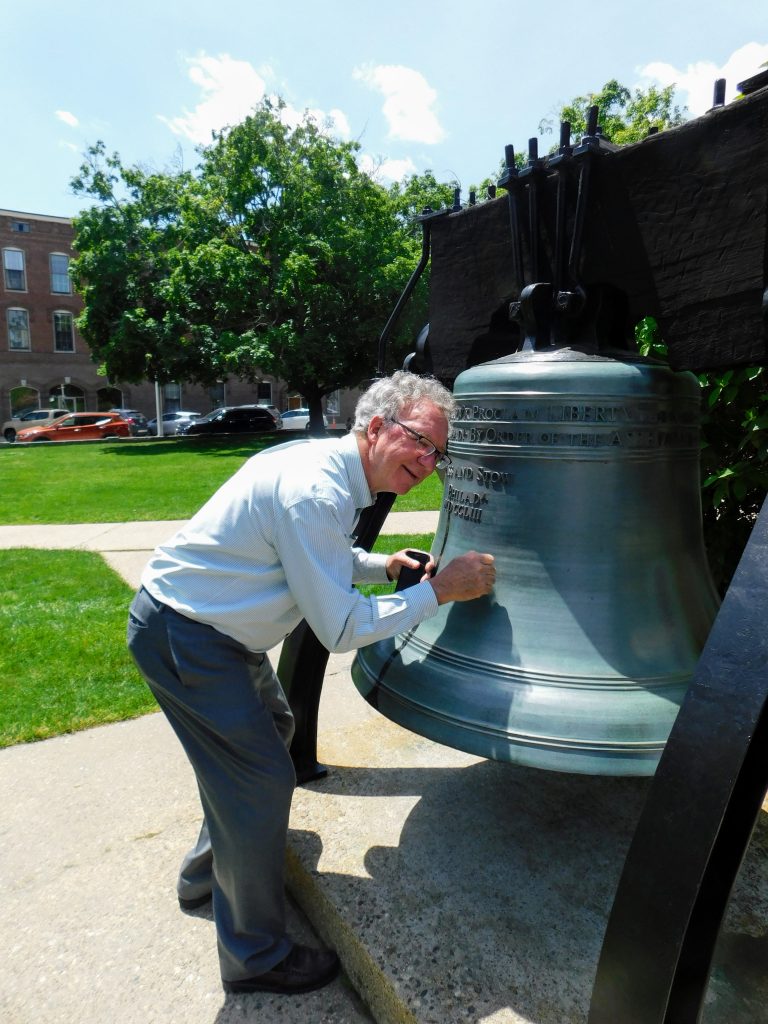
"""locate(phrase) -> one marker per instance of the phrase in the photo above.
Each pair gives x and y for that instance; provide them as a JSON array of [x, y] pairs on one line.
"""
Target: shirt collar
[[353, 463]]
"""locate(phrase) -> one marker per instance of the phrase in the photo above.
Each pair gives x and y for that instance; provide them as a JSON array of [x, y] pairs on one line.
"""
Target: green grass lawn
[[389, 544], [137, 481], [64, 665]]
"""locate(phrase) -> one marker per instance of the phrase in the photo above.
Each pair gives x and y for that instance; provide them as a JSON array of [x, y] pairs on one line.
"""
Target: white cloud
[[695, 84], [67, 118], [340, 123], [230, 90], [408, 101], [335, 119], [386, 170]]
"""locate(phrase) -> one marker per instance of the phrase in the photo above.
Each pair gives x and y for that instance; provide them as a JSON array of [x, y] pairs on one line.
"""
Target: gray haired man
[[270, 548]]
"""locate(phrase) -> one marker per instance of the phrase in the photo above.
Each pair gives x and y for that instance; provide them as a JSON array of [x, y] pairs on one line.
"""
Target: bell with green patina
[[580, 474]]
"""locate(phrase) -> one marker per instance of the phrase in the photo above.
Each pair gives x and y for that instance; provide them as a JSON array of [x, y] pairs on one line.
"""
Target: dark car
[[136, 420], [234, 419]]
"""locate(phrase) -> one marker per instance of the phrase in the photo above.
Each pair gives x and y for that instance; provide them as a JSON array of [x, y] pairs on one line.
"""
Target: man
[[270, 548]]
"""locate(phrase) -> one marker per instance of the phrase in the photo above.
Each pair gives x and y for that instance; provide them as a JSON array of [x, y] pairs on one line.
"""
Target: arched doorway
[[69, 395], [109, 398]]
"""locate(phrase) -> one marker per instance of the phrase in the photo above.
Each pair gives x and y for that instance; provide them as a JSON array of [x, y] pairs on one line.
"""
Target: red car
[[78, 426]]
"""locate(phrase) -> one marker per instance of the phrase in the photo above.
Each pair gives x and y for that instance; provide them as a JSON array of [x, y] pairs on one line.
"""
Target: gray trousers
[[227, 708]]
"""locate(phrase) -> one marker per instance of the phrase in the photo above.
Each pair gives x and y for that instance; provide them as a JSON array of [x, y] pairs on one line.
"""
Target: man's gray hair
[[388, 397]]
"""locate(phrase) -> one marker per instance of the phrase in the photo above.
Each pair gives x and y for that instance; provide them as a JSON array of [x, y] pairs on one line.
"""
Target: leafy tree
[[417, 193], [623, 115], [279, 255], [734, 454], [125, 246]]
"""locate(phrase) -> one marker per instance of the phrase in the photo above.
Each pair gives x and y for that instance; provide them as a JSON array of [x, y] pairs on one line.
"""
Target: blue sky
[[418, 84]]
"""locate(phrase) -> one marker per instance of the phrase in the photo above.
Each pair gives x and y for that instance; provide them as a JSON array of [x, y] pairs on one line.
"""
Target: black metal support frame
[[301, 669], [697, 820], [303, 659]]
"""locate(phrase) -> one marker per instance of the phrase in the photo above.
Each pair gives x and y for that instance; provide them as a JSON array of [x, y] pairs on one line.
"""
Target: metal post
[[301, 669], [697, 820], [159, 410]]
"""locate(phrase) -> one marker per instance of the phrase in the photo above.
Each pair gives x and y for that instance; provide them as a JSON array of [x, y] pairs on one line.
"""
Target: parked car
[[174, 421], [79, 426], [137, 421], [298, 419], [32, 417], [272, 408], [233, 419]]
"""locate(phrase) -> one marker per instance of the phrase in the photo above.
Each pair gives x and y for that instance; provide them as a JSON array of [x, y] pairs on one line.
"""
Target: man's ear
[[374, 427]]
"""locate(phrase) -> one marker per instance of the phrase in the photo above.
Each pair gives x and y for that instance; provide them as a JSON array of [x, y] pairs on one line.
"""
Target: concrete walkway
[[455, 889]]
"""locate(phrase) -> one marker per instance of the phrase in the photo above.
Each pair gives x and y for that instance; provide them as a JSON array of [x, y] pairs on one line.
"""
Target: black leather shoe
[[194, 902], [303, 970]]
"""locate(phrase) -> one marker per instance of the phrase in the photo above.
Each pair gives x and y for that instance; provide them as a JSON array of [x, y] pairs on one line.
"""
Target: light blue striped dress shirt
[[273, 546]]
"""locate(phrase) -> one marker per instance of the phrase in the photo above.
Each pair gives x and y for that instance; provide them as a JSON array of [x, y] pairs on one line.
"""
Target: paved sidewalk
[[127, 546], [456, 890], [145, 536]]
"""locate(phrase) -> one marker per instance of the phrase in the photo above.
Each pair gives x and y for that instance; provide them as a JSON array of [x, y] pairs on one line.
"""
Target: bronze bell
[[580, 473]]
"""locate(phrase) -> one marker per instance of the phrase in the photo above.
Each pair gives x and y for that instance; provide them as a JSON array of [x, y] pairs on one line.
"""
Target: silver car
[[174, 421], [31, 418], [298, 419]]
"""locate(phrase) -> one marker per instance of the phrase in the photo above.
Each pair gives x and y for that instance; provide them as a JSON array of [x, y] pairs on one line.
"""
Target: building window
[[332, 403], [63, 333], [23, 399], [264, 392], [13, 266], [218, 394], [18, 329], [20, 226], [171, 396], [60, 283]]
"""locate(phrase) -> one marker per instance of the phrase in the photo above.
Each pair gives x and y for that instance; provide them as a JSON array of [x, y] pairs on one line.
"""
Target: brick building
[[45, 363]]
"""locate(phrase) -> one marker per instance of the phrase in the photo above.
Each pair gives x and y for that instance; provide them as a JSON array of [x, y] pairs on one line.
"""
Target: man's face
[[395, 457]]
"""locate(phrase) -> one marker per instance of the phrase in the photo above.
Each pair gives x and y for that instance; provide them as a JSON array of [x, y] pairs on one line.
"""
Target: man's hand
[[464, 578], [402, 559]]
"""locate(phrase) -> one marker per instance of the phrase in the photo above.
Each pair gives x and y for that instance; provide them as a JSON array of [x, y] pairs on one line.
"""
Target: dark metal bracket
[[552, 306], [425, 220], [697, 820]]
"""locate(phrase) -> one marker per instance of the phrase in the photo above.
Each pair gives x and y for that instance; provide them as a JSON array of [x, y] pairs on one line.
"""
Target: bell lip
[[590, 755], [606, 758]]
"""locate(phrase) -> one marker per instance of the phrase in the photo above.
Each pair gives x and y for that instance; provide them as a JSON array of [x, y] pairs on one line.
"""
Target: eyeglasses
[[426, 448]]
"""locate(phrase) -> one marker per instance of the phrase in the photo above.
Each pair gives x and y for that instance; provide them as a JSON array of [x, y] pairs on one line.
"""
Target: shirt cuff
[[375, 567], [422, 599]]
